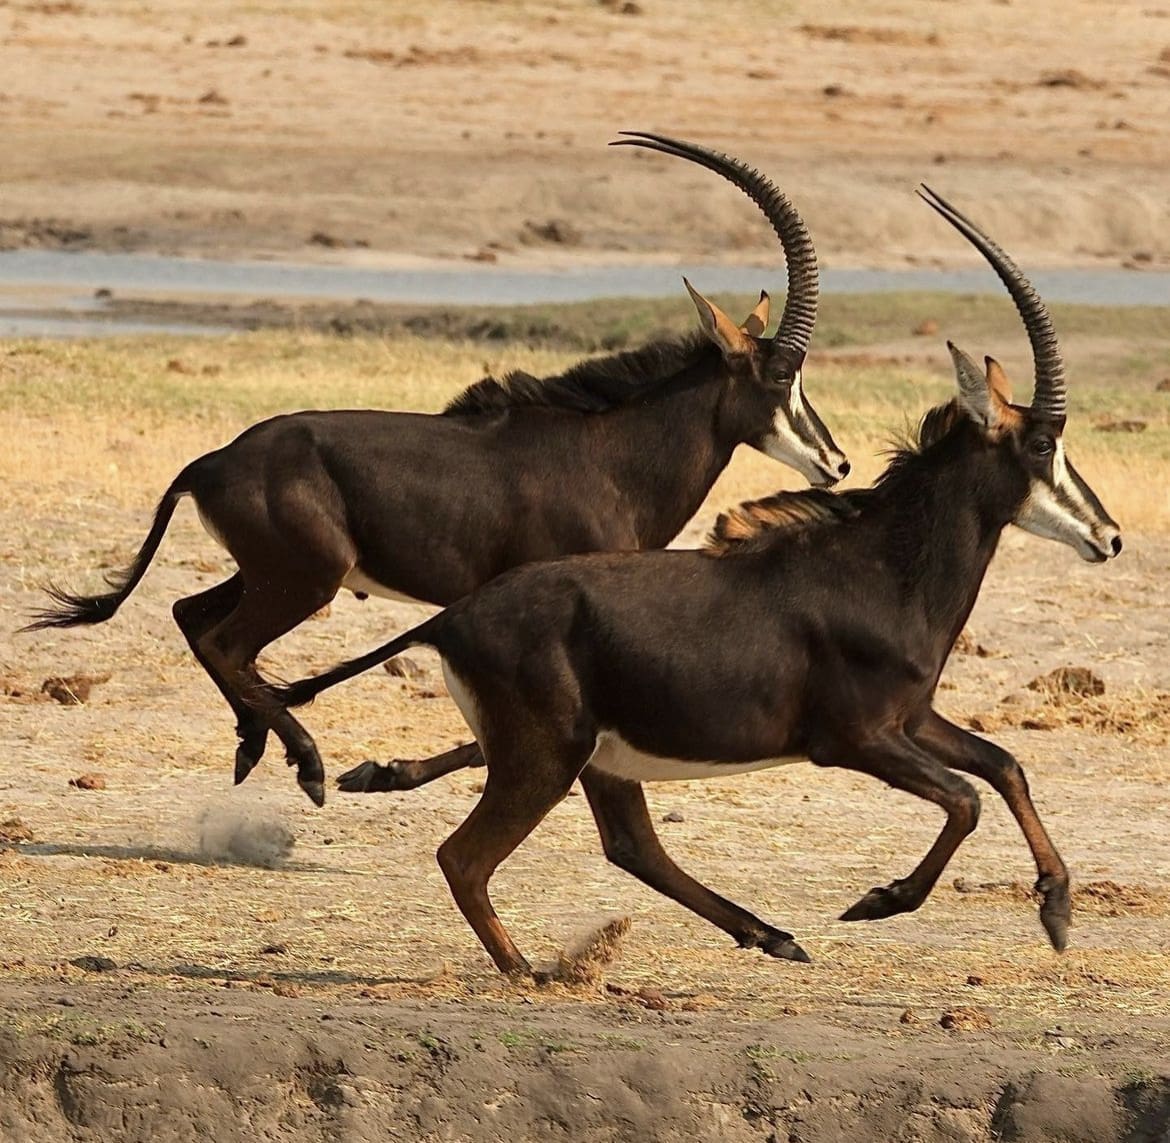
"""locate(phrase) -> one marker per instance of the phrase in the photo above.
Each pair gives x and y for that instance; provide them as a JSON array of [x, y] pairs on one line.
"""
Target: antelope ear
[[757, 321], [718, 326], [982, 394], [997, 379]]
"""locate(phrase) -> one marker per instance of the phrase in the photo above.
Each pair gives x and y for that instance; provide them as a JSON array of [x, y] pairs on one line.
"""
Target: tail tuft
[[69, 610], [300, 693]]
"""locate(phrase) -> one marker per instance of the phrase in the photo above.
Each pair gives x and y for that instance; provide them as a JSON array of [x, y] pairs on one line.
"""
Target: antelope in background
[[815, 626], [615, 453]]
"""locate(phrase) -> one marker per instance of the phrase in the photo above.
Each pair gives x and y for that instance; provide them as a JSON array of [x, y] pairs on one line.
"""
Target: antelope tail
[[305, 690], [70, 610]]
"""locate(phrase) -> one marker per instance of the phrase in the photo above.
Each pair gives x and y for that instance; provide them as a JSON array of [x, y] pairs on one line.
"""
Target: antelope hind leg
[[408, 774]]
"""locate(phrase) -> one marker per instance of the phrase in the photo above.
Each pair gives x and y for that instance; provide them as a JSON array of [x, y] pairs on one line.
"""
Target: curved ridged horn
[[800, 305], [1048, 398]]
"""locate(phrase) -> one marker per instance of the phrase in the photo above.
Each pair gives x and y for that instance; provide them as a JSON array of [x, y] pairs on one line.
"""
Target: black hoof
[[378, 778], [1055, 911], [314, 788], [245, 763], [367, 778], [880, 902], [783, 947]]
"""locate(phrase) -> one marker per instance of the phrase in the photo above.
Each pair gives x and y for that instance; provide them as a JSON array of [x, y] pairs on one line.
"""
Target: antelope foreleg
[[968, 752], [901, 763]]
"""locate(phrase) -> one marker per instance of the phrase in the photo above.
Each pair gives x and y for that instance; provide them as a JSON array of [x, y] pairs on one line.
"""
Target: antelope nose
[[1116, 545], [844, 467]]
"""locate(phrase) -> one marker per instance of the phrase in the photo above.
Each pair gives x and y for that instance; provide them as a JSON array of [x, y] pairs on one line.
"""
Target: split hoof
[[359, 779], [783, 947], [1055, 911], [315, 788], [880, 902], [378, 778], [245, 763]]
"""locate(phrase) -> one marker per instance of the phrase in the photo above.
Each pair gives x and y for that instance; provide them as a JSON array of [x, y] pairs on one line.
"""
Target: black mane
[[591, 386], [757, 524]]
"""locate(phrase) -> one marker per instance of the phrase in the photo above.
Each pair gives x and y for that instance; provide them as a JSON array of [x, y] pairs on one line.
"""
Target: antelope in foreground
[[815, 626], [615, 453]]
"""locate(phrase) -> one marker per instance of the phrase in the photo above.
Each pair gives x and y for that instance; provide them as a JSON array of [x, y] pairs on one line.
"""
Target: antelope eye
[[1042, 446]]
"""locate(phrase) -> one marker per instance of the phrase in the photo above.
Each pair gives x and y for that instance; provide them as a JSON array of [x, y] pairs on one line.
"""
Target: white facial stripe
[[614, 755], [1059, 511], [786, 444]]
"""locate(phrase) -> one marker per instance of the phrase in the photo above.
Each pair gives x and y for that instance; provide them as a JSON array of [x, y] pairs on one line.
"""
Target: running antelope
[[615, 453], [815, 626]]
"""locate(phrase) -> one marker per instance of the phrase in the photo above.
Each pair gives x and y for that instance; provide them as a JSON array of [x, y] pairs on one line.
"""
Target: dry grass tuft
[[1137, 715], [1097, 898], [586, 956], [13, 831]]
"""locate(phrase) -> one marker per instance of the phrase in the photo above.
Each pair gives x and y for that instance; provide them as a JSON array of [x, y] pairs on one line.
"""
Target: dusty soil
[[372, 132], [247, 964]]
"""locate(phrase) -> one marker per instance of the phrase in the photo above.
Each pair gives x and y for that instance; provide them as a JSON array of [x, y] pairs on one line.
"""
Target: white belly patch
[[464, 700], [614, 755], [359, 583]]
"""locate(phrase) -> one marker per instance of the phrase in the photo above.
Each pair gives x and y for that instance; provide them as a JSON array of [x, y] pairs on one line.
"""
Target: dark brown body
[[613, 454], [641, 666]]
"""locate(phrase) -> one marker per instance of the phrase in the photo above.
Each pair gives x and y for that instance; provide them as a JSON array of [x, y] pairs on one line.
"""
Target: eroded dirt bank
[[231, 1066]]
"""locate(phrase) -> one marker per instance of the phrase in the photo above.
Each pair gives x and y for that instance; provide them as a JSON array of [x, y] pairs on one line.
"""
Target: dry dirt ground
[[247, 966], [370, 131], [274, 970]]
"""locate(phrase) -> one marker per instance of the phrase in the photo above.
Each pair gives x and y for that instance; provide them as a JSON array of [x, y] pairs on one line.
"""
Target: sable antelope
[[615, 453], [819, 632]]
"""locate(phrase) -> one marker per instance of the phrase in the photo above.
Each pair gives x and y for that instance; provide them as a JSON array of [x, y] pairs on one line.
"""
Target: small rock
[[102, 293], [174, 365], [833, 90], [212, 98], [1121, 427], [653, 999], [321, 238], [72, 690], [975, 981], [1163, 386], [65, 1002], [404, 667], [556, 230], [673, 816], [237, 41], [926, 328], [1069, 681], [89, 781], [908, 1017], [482, 255], [277, 949], [1069, 77], [964, 1019]]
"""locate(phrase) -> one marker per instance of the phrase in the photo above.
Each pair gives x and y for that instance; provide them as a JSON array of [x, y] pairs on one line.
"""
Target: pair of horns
[[1049, 397], [800, 305]]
